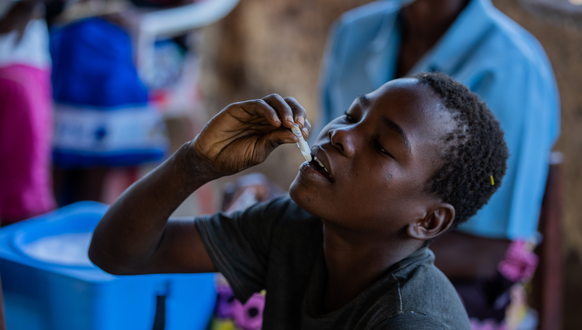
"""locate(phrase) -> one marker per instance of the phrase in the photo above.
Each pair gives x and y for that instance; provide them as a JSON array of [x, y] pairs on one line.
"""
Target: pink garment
[[519, 263], [25, 142], [250, 315]]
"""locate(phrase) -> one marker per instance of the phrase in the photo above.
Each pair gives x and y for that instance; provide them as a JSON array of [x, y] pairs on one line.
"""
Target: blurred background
[[180, 68]]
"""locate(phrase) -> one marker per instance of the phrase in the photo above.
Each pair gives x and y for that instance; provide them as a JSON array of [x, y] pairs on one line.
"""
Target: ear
[[437, 221]]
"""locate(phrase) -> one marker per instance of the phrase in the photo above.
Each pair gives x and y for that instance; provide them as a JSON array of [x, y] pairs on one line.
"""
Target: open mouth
[[319, 167]]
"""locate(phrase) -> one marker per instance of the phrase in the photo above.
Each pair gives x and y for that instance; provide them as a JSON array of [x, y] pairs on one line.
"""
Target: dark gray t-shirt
[[278, 246]]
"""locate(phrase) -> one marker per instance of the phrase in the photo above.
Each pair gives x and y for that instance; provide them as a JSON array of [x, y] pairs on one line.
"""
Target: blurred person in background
[[506, 66], [103, 115], [25, 112]]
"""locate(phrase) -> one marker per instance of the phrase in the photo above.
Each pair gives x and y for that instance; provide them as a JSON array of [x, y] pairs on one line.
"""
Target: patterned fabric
[[231, 314], [500, 302], [519, 263]]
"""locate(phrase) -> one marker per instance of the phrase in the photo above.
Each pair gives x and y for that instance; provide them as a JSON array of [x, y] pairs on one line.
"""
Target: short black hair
[[474, 153]]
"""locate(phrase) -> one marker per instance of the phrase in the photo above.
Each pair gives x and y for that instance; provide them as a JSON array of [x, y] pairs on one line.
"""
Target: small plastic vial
[[302, 144]]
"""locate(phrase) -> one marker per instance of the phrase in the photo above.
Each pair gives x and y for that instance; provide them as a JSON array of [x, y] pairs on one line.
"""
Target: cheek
[[379, 195]]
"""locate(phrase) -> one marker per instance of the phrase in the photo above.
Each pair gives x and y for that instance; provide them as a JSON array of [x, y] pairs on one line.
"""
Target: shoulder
[[410, 320], [355, 31], [428, 297], [506, 65], [515, 45], [415, 295]]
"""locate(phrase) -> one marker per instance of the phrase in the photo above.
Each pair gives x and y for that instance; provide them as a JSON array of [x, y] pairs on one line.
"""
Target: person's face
[[379, 157]]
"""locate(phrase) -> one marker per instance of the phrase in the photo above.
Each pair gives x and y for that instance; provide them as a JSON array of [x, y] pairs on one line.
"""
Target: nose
[[343, 140]]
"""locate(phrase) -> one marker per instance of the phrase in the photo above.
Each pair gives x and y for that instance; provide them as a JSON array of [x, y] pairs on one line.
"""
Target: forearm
[[135, 237], [131, 231]]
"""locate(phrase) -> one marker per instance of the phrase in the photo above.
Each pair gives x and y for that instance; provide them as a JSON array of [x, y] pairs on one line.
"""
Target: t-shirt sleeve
[[238, 244], [410, 320]]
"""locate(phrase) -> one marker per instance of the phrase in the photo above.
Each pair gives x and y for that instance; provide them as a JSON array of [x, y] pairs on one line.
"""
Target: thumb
[[274, 139]]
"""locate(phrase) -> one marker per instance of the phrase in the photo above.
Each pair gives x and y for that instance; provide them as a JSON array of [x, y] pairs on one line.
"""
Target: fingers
[[300, 115], [278, 111], [263, 109], [274, 139], [281, 137], [290, 111], [282, 108], [299, 112]]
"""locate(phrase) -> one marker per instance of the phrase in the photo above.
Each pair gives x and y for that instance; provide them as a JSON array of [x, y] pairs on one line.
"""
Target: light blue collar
[[455, 44]]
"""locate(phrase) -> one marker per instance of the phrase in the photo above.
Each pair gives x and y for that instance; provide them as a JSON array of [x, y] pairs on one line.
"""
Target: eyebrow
[[394, 127]]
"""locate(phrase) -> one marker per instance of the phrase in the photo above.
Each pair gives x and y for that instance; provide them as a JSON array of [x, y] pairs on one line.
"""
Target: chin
[[297, 193], [306, 198]]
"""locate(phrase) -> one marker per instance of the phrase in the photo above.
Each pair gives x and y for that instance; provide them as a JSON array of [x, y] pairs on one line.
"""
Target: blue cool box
[[49, 283]]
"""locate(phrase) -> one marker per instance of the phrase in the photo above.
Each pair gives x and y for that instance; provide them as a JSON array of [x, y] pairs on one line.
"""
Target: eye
[[349, 118], [382, 150]]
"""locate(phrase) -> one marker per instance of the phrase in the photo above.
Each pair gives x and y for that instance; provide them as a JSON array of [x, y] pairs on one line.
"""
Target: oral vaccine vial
[[302, 144]]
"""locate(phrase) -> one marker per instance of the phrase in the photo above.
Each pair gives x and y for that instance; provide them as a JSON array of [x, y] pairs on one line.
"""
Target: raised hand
[[135, 237], [243, 134]]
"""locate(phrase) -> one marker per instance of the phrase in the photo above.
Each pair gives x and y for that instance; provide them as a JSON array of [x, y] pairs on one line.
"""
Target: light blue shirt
[[492, 55]]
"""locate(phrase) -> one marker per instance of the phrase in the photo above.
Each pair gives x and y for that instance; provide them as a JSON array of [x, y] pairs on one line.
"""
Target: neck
[[429, 19], [424, 22], [355, 261]]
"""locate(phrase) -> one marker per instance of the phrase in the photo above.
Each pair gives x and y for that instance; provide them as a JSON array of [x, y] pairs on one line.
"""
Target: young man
[[348, 249], [479, 46]]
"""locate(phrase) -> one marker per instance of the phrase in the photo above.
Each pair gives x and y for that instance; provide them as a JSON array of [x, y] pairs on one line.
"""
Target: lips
[[320, 163]]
